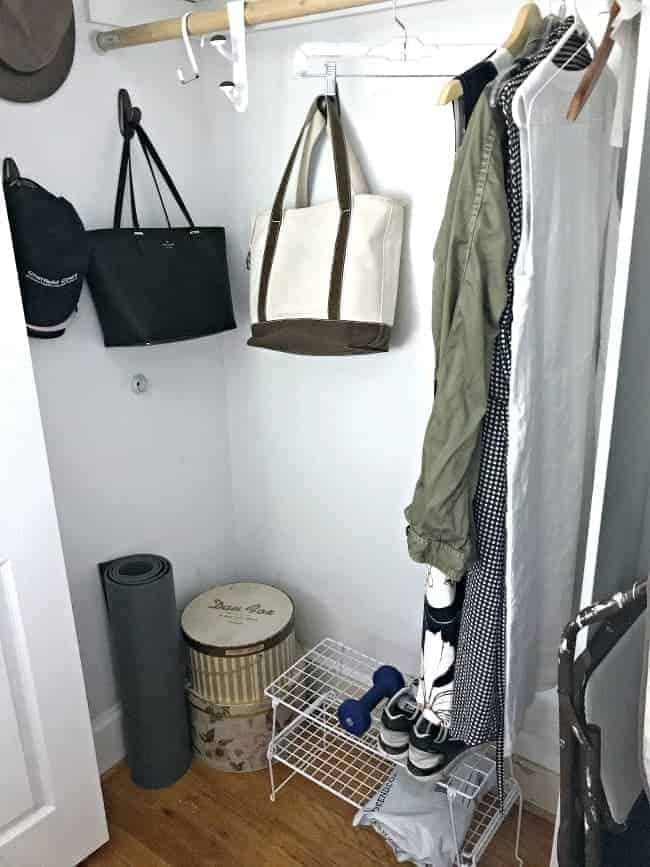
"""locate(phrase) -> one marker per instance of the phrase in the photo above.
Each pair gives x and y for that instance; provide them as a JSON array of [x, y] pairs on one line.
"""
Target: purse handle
[[317, 127], [130, 126], [349, 182]]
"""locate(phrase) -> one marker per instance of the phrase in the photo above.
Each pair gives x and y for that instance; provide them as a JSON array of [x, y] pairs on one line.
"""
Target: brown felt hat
[[37, 39]]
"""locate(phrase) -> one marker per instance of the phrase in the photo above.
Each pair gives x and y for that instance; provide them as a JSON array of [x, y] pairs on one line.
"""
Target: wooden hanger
[[452, 90], [528, 22], [595, 68]]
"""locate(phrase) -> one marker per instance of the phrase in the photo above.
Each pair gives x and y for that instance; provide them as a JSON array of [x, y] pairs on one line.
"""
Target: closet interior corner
[[326, 443]]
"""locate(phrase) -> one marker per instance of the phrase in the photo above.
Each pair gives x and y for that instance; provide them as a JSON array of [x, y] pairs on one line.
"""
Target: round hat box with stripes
[[240, 637], [233, 737]]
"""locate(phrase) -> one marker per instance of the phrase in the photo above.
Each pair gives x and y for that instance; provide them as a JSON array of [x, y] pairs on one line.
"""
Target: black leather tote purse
[[156, 285]]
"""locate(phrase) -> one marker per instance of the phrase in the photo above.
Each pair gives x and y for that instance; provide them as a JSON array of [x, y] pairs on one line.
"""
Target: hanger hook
[[190, 53], [401, 24]]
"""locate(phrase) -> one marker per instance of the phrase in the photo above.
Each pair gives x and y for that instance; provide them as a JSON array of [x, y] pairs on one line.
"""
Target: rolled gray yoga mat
[[146, 639]]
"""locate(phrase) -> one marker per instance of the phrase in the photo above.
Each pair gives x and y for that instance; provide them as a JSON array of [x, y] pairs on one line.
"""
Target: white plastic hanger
[[405, 47], [578, 26], [403, 57], [528, 22], [190, 53], [233, 49]]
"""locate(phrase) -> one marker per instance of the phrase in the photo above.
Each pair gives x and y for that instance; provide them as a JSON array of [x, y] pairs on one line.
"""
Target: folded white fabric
[[413, 817]]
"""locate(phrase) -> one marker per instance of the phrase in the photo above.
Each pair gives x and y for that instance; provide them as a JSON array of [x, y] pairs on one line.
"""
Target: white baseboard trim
[[540, 786], [109, 738]]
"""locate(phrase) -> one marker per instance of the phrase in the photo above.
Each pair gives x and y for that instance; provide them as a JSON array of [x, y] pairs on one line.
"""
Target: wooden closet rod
[[200, 23]]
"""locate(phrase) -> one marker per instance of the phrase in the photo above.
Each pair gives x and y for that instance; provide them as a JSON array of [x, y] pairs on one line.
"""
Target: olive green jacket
[[469, 293]]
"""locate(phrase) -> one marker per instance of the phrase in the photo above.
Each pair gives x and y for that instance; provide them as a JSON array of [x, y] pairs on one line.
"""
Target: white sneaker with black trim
[[432, 753], [397, 719]]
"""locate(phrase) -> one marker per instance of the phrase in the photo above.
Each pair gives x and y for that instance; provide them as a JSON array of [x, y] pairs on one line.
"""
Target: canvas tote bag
[[324, 277], [157, 285]]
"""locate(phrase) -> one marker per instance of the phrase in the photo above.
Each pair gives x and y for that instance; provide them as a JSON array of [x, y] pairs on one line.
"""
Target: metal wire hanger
[[406, 56]]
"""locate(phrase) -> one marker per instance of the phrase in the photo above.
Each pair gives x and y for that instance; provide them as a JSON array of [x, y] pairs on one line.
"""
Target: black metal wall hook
[[10, 171], [322, 102], [129, 115]]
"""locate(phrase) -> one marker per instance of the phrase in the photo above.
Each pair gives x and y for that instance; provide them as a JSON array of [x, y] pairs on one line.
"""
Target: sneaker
[[432, 753], [397, 719]]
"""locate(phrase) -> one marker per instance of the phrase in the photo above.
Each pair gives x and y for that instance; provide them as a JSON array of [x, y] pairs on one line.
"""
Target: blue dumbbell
[[354, 713]]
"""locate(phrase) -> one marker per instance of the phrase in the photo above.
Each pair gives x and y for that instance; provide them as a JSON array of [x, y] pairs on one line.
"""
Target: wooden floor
[[209, 819]]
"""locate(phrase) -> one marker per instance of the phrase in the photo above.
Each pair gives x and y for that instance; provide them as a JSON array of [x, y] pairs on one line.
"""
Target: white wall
[[324, 453], [130, 473]]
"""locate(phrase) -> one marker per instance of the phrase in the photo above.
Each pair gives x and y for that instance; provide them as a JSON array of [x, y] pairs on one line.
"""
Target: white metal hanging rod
[[257, 12]]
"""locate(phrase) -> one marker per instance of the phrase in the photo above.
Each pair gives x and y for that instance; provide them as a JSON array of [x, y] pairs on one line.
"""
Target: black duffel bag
[[156, 285]]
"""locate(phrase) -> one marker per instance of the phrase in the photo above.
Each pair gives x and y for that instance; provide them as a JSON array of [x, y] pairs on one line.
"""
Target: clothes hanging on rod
[[471, 255], [468, 299], [473, 455], [439, 516], [479, 690], [485, 615], [443, 604], [562, 298], [477, 710], [527, 23], [473, 82]]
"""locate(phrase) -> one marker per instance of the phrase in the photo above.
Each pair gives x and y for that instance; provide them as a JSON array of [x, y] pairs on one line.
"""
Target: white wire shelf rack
[[319, 681], [314, 745], [473, 778]]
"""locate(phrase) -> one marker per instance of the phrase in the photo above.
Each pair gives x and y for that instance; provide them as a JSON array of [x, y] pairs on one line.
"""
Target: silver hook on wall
[[190, 53]]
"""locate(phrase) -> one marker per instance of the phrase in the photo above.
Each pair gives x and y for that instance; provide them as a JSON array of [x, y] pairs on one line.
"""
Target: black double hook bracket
[[129, 115]]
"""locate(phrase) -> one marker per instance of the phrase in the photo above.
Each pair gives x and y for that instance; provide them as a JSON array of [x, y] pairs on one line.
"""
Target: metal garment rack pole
[[202, 23]]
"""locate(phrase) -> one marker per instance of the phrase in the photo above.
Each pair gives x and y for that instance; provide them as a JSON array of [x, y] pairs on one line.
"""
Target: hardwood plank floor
[[209, 819]]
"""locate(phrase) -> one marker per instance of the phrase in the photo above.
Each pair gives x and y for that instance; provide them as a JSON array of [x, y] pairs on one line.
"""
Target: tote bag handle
[[126, 173], [307, 138], [316, 129]]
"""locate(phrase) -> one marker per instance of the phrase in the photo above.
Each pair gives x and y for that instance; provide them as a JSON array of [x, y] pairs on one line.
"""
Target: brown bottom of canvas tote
[[321, 336]]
